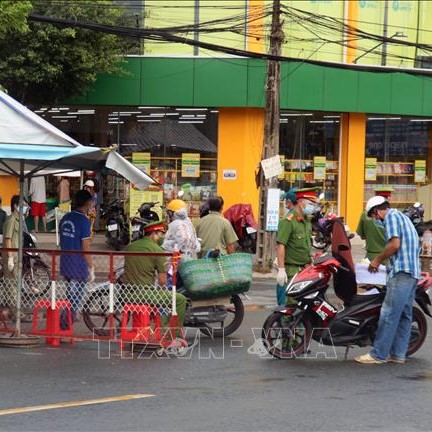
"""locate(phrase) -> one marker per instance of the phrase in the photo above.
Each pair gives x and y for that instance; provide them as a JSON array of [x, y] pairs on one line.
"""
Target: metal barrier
[[56, 280]]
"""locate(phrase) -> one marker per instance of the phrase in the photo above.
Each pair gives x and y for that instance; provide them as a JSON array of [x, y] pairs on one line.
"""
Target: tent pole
[[20, 250]]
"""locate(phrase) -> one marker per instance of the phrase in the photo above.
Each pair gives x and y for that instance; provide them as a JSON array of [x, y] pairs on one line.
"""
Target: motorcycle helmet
[[374, 202], [176, 205]]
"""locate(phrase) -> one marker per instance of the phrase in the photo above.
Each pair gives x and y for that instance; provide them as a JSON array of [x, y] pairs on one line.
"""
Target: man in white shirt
[[37, 193]]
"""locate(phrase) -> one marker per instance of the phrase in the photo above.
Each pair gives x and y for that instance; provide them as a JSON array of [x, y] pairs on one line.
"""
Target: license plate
[[112, 227], [251, 230], [135, 228]]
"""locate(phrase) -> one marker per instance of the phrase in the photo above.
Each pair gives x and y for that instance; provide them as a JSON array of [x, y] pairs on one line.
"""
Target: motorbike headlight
[[296, 287]]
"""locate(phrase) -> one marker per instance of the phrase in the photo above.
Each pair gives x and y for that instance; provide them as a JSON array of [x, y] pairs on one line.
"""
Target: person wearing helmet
[[373, 231], [181, 235], [403, 251]]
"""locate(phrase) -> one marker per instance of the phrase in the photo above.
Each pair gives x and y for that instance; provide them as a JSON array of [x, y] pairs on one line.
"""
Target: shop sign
[[142, 161], [272, 216], [137, 197], [190, 165], [370, 168], [419, 171], [229, 174], [272, 167], [319, 168]]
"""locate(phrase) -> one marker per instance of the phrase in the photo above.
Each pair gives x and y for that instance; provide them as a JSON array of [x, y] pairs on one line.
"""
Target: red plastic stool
[[146, 324], [52, 329]]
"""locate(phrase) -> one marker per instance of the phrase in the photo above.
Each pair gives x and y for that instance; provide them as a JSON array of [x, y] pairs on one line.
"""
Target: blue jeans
[[394, 327], [280, 295], [75, 293]]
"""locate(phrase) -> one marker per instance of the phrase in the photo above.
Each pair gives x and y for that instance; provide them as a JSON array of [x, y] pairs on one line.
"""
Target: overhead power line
[[165, 36]]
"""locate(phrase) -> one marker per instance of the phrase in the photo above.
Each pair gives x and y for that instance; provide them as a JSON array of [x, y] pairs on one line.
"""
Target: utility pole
[[267, 239]]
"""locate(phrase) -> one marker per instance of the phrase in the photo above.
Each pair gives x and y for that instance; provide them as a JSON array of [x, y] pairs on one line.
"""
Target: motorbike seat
[[366, 298]]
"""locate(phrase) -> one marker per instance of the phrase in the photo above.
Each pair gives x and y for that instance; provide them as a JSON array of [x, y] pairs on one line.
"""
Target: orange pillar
[[8, 188], [240, 138], [352, 167], [351, 13], [255, 38]]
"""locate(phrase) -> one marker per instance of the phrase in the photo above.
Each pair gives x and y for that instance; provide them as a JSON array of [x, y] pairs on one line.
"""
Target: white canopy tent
[[30, 146]]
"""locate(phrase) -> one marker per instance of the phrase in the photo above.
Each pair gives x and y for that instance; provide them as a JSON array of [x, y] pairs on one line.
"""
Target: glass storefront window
[[304, 136], [397, 143], [166, 133]]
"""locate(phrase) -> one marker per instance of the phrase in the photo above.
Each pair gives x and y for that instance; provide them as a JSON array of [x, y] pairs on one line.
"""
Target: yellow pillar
[[352, 167], [352, 19], [255, 38], [240, 138], [8, 188]]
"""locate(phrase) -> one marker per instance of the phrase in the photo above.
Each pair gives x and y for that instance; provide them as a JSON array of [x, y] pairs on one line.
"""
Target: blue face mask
[[309, 209]]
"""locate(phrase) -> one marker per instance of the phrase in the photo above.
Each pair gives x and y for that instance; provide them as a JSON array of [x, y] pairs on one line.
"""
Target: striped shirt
[[407, 258]]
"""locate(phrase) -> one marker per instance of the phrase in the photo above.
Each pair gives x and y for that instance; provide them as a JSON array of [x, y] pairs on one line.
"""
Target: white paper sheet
[[364, 277]]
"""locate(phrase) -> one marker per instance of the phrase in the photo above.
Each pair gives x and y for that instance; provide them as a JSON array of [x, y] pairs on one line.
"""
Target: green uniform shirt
[[373, 234], [11, 229], [215, 232], [140, 270], [295, 233]]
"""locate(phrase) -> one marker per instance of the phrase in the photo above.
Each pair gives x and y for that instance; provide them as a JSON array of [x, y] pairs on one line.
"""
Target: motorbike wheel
[[114, 242], [235, 318], [418, 331], [286, 336], [36, 281], [96, 316]]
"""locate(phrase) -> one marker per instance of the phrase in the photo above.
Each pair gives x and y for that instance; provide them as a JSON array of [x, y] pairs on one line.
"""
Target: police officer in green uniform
[[140, 272], [369, 230], [294, 239]]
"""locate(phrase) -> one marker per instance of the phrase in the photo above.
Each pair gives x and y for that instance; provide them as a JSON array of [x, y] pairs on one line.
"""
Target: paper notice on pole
[[365, 277], [272, 215], [272, 166]]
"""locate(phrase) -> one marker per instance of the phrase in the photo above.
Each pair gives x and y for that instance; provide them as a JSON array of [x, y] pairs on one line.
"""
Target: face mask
[[309, 209], [24, 209]]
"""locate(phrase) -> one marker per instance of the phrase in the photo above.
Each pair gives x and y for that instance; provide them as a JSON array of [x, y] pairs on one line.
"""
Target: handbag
[[217, 277]]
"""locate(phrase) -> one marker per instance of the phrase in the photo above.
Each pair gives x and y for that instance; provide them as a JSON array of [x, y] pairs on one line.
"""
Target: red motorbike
[[244, 224], [289, 330]]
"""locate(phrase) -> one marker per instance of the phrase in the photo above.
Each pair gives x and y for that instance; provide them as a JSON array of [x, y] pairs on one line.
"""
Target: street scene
[[215, 215]]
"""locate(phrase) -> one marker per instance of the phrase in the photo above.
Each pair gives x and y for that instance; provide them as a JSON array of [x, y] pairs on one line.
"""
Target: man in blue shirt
[[403, 250], [75, 235]]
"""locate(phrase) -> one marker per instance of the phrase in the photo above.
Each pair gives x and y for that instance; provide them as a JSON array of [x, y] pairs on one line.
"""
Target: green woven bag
[[217, 277]]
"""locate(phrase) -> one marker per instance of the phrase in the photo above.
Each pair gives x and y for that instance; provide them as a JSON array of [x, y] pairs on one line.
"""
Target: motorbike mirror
[[417, 204], [321, 196], [180, 194]]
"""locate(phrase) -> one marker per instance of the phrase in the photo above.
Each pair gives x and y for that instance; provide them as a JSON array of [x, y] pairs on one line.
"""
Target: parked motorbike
[[416, 213], [288, 331], [215, 317], [116, 225], [146, 215], [244, 224], [36, 276]]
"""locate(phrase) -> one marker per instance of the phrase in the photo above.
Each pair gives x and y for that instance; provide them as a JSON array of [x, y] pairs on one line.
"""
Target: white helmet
[[373, 202]]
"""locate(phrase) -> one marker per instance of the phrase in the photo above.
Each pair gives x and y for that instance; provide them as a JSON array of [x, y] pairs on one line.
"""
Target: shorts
[[38, 209]]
